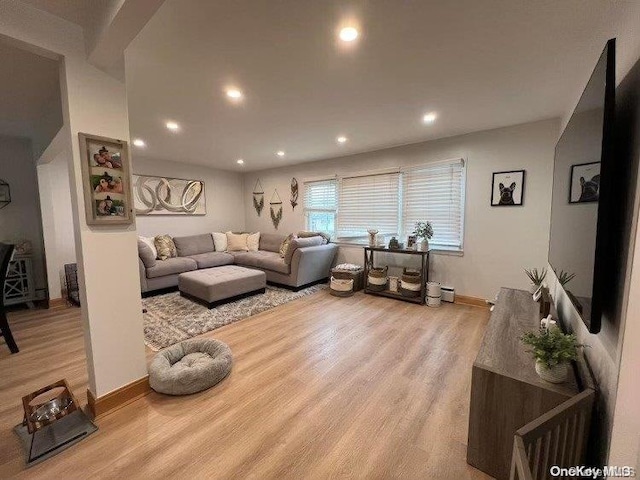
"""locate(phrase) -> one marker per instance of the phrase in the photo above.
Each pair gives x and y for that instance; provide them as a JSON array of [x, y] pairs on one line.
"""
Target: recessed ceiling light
[[234, 94], [429, 117], [280, 153], [341, 139], [139, 142], [348, 34], [240, 161], [172, 126]]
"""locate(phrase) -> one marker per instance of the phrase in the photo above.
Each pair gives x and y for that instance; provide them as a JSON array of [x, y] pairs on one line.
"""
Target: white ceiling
[[479, 64], [29, 95]]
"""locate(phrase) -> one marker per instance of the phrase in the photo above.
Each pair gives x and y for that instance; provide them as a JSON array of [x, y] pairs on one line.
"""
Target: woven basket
[[410, 284], [341, 288], [355, 275]]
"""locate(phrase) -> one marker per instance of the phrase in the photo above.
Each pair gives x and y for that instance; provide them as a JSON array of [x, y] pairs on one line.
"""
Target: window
[[320, 203], [435, 193], [367, 202]]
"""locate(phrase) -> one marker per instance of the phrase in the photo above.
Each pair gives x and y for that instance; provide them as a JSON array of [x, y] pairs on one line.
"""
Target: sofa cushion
[[237, 242], [271, 241], [194, 244], [165, 246], [297, 243], [212, 259], [253, 242], [305, 234], [274, 262], [220, 241], [248, 259], [172, 266], [151, 242], [146, 254]]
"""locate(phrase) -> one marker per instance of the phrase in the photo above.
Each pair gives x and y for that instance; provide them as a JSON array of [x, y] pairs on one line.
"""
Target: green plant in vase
[[553, 351], [423, 230], [536, 277]]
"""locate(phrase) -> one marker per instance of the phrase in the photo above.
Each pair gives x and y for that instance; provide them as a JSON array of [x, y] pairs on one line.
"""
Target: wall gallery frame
[[106, 180], [154, 195], [585, 183], [507, 188]]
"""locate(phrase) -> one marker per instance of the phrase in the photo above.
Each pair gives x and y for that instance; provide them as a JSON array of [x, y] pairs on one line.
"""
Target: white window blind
[[436, 194], [369, 202], [320, 204]]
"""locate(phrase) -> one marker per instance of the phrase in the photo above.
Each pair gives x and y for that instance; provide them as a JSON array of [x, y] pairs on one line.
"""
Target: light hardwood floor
[[322, 387]]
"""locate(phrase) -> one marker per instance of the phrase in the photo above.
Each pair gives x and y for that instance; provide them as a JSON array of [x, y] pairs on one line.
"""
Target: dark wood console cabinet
[[506, 391]]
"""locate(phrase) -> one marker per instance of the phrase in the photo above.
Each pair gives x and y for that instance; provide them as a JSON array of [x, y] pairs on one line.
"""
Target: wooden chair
[[6, 251]]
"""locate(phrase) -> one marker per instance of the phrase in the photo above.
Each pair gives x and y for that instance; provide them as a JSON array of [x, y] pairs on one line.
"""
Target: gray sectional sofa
[[307, 261]]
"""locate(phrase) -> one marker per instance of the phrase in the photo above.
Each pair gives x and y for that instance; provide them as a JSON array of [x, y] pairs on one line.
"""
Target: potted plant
[[553, 350], [423, 230], [536, 277]]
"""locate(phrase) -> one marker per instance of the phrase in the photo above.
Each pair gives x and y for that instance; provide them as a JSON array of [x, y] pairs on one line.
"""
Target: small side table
[[19, 286]]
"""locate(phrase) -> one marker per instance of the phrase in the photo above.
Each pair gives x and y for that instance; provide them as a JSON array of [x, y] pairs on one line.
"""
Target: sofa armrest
[[143, 276], [310, 264]]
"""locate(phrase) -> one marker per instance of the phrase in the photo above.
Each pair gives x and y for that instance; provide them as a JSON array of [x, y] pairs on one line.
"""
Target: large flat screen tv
[[585, 198]]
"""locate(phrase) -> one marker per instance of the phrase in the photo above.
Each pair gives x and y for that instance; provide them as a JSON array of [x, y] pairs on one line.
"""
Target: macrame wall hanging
[[294, 193], [276, 208], [258, 197]]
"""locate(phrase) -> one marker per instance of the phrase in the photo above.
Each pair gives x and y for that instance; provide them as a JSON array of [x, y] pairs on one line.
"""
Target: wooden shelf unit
[[369, 262]]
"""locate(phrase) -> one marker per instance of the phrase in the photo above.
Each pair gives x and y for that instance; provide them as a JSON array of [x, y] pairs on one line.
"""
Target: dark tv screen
[[583, 195]]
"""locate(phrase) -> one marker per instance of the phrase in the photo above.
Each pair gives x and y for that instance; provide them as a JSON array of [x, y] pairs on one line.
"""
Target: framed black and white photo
[[585, 183], [507, 188]]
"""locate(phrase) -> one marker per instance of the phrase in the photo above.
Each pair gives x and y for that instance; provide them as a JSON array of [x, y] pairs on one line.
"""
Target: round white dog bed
[[190, 366]]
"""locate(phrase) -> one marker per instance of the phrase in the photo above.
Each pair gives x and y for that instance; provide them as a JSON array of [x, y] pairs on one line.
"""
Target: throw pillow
[[146, 254], [237, 242], [284, 246], [297, 243], [150, 241], [220, 241], [253, 241], [165, 246], [326, 237]]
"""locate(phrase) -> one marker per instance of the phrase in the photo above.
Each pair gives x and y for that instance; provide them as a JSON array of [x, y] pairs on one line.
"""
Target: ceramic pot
[[423, 246], [557, 374]]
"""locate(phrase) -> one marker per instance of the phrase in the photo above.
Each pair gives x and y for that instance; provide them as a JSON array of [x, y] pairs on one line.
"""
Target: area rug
[[171, 318]]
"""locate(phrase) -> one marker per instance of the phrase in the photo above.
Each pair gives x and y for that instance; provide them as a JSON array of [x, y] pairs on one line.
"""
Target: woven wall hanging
[[258, 197], [294, 193], [276, 208]]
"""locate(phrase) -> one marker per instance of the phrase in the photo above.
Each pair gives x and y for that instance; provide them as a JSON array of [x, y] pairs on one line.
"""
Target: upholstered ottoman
[[190, 366], [213, 286]]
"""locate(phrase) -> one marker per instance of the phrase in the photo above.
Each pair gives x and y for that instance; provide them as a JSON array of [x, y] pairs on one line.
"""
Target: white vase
[[423, 246], [557, 374]]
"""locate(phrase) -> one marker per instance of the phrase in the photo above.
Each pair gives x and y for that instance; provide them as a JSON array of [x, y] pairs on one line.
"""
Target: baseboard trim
[[57, 302], [471, 301], [101, 406]]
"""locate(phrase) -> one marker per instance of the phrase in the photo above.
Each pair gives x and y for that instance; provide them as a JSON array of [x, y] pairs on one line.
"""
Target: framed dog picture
[[507, 189], [585, 183], [106, 179]]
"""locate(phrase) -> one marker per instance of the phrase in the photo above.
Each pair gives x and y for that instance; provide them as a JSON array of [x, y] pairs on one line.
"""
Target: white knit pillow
[[253, 241], [150, 241], [220, 241]]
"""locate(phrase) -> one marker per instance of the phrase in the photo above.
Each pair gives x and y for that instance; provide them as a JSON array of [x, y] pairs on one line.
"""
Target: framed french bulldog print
[[585, 183], [507, 189], [106, 178]]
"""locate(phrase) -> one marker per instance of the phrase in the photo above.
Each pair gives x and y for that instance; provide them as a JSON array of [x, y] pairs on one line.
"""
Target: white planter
[[557, 374], [423, 246]]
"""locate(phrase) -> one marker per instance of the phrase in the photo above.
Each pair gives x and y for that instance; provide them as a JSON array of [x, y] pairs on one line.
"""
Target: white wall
[[223, 190], [92, 102], [57, 219], [499, 241], [20, 220]]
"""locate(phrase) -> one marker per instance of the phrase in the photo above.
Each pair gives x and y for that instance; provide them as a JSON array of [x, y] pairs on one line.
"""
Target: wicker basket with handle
[[377, 279], [410, 285]]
